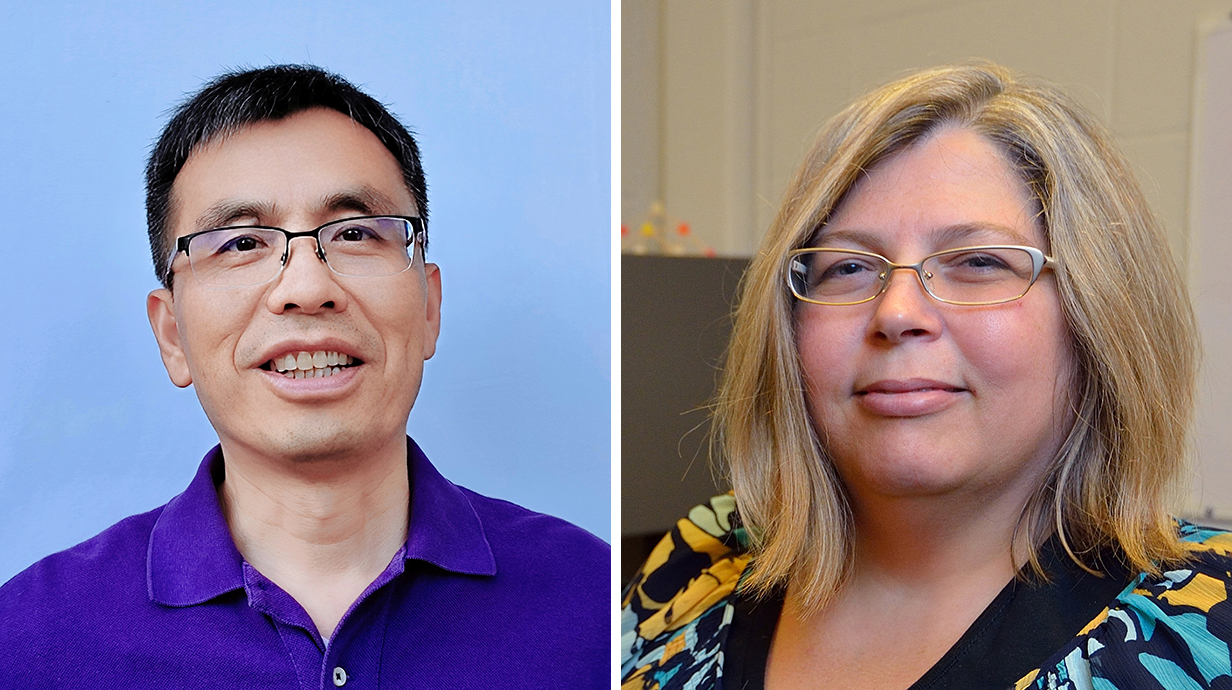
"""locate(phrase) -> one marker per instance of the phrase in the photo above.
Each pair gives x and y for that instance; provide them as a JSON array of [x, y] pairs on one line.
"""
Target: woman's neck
[[924, 570], [925, 542]]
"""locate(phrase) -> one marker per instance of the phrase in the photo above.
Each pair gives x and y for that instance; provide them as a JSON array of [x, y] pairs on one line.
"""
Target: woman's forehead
[[953, 186]]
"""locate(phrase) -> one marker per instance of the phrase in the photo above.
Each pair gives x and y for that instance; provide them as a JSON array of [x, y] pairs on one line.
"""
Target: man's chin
[[317, 445]]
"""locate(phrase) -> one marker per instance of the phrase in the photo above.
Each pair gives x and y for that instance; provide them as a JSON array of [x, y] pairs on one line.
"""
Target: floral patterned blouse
[[1169, 632]]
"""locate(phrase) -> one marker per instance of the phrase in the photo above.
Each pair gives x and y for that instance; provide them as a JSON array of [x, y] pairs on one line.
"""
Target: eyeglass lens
[[978, 275], [239, 256]]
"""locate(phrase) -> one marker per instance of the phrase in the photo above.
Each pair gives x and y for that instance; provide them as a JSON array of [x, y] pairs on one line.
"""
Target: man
[[317, 546]]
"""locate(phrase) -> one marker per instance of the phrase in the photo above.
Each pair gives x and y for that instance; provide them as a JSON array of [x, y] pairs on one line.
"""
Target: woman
[[957, 395]]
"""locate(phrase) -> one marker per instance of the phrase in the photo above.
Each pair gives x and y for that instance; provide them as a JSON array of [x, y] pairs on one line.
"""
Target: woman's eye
[[984, 266], [847, 268], [982, 261], [843, 269]]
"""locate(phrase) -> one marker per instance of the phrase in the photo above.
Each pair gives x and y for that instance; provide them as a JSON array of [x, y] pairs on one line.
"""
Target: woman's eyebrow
[[856, 236], [966, 232], [945, 235]]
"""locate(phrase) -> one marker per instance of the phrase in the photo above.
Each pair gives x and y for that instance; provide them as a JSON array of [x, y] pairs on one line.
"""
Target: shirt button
[[339, 676]]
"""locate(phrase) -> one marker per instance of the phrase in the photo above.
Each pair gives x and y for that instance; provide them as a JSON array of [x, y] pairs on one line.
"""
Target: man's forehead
[[331, 161], [269, 126]]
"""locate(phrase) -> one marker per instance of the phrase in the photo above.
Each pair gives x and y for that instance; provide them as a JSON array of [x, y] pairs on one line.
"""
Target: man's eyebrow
[[228, 211], [363, 199]]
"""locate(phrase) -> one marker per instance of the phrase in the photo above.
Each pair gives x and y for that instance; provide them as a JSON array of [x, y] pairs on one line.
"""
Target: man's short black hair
[[237, 99]]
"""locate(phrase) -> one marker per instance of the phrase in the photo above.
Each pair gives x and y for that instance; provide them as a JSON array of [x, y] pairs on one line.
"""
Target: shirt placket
[[304, 646], [352, 658]]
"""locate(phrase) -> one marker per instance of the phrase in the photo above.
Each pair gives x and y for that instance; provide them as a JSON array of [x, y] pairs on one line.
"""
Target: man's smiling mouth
[[310, 365]]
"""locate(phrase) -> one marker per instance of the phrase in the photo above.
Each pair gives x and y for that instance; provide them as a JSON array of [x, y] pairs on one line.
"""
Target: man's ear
[[432, 295], [160, 307]]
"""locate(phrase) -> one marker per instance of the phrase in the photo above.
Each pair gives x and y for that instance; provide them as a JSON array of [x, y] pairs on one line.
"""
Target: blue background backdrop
[[512, 108]]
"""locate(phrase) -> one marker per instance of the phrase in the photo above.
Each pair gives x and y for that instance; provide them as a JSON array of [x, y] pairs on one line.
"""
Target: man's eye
[[243, 243], [354, 234]]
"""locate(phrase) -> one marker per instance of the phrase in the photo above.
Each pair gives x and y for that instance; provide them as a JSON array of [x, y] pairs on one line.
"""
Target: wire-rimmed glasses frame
[[795, 268], [413, 231]]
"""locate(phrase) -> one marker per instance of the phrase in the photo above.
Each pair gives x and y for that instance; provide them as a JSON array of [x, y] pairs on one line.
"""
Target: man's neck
[[322, 532]]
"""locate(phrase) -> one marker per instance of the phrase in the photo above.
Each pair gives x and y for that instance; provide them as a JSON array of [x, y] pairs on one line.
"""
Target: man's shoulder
[[104, 573], [547, 561], [509, 525], [543, 594], [120, 547]]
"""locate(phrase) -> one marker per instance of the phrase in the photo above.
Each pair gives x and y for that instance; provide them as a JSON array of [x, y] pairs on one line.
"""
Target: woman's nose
[[904, 310]]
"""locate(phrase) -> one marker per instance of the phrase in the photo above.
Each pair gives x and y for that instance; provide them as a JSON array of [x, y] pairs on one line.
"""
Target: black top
[[1024, 624]]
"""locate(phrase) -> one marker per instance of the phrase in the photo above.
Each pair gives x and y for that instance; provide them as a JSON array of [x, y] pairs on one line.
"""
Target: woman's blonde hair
[[1132, 329]]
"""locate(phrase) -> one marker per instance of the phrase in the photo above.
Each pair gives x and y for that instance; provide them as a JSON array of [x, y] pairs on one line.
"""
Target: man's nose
[[306, 283]]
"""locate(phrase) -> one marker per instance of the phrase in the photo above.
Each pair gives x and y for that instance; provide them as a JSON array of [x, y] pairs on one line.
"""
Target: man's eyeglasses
[[244, 255], [968, 276]]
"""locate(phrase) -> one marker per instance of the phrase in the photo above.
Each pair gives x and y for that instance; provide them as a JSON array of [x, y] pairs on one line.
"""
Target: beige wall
[[721, 97]]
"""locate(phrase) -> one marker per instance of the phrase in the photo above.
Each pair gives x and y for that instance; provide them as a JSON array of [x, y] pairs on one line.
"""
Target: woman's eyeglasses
[[972, 276]]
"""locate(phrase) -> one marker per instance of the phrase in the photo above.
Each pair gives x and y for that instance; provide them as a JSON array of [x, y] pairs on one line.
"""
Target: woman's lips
[[911, 398]]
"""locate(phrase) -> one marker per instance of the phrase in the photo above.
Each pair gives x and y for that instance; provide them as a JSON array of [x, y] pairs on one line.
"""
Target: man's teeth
[[311, 365]]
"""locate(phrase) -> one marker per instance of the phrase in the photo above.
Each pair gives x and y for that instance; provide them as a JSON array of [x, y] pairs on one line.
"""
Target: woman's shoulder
[[676, 611], [1171, 630]]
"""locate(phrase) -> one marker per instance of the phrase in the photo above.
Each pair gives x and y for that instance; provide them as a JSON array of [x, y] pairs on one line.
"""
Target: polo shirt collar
[[445, 529], [192, 557]]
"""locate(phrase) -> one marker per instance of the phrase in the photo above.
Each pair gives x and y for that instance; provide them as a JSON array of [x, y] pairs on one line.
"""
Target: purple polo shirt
[[484, 594]]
